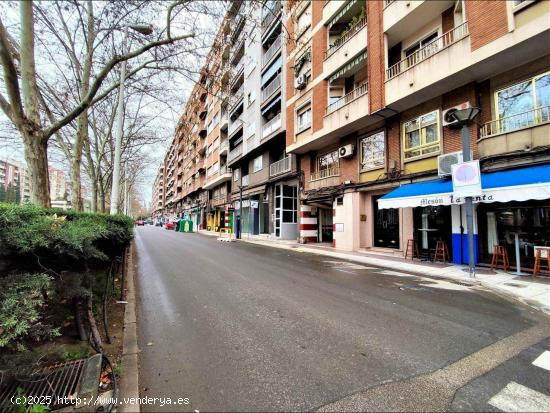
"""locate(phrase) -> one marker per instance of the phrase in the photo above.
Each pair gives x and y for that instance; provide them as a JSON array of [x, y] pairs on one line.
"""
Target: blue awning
[[519, 184]]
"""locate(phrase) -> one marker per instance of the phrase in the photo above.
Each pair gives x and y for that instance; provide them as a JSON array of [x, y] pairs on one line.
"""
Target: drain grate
[[56, 383]]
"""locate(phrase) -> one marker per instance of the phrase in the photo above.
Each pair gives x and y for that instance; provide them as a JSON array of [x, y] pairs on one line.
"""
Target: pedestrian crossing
[[515, 397]]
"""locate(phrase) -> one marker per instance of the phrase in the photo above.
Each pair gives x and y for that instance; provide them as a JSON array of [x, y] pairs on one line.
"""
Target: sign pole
[[465, 132]]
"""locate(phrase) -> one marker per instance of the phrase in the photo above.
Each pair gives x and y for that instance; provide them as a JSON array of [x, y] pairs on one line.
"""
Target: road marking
[[517, 398], [543, 361]]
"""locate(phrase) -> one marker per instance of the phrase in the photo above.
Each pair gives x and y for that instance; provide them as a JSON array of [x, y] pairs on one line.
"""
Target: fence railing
[[344, 39], [325, 173], [281, 167], [274, 48], [235, 153], [425, 52], [515, 122], [271, 87], [344, 100], [271, 126]]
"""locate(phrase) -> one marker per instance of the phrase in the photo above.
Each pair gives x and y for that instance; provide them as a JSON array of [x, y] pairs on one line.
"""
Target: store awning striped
[[356, 61]]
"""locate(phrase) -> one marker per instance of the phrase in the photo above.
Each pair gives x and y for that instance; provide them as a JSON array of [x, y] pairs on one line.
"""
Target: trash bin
[[187, 225]]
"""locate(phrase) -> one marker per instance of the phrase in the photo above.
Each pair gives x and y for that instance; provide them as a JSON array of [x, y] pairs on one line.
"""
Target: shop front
[[513, 211]]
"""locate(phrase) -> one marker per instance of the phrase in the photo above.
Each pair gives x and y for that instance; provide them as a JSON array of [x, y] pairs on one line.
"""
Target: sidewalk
[[533, 291]]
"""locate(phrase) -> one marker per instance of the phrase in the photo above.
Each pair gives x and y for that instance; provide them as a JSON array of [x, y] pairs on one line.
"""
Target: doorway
[[386, 226], [325, 225]]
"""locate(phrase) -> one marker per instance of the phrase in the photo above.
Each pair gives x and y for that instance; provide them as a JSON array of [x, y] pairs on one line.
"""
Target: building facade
[[14, 177], [340, 132]]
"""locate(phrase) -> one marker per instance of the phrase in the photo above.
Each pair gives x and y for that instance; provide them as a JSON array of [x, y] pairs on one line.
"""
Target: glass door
[[386, 226]]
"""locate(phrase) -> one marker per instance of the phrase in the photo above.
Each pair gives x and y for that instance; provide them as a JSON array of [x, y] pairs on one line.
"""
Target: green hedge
[[27, 229]]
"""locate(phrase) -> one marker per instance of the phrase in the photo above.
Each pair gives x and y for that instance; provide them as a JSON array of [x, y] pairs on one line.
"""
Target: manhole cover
[[515, 285]]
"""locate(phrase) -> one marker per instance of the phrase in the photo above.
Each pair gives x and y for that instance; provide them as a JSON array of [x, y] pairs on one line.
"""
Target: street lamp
[[463, 118], [144, 30]]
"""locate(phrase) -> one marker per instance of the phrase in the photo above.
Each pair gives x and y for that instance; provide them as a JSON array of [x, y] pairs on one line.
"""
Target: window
[[258, 163], [421, 136], [304, 117], [251, 129], [303, 21], [236, 175], [251, 64], [215, 167], [251, 97], [373, 150], [524, 104], [328, 165], [209, 150]]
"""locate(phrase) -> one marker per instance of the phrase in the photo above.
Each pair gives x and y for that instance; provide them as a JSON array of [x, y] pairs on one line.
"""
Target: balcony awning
[[356, 61], [271, 105], [521, 184], [342, 12]]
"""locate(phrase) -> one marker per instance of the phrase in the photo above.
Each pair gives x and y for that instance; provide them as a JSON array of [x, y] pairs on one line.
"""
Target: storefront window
[[499, 223], [422, 136], [524, 104], [373, 149]]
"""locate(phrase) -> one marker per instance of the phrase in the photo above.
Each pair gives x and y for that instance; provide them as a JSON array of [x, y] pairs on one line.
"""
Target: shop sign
[[254, 204], [466, 179]]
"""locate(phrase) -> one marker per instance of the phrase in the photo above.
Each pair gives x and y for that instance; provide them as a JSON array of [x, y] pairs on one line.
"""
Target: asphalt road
[[243, 327]]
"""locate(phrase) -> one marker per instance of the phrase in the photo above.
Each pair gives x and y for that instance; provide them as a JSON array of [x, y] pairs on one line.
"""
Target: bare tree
[[29, 94]]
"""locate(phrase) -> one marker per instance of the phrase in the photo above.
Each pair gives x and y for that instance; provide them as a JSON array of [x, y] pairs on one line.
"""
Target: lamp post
[[464, 117], [144, 30]]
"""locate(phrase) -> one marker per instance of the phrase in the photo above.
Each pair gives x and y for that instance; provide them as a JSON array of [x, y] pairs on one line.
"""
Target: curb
[[432, 273], [129, 382]]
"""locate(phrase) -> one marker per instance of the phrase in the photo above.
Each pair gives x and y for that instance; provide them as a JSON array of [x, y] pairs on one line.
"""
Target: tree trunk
[[36, 155], [76, 161], [101, 189]]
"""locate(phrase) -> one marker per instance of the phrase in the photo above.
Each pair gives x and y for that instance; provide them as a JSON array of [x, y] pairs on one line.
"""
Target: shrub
[[21, 302], [28, 229]]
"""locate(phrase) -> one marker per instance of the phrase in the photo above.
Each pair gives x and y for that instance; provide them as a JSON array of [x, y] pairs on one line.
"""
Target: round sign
[[466, 174]]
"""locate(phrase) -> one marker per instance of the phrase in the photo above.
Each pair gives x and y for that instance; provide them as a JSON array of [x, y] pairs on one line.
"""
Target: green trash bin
[[186, 225]]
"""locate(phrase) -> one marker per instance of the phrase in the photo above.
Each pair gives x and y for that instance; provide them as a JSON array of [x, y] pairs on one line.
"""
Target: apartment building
[[368, 85], [264, 175], [58, 184], [15, 174], [158, 196]]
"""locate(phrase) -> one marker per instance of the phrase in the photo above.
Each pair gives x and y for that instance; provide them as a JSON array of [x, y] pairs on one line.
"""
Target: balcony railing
[[237, 99], [235, 153], [273, 49], [271, 88], [435, 46], [270, 16], [281, 167], [271, 126], [344, 100], [515, 122], [325, 173], [224, 146], [235, 126], [344, 39], [388, 2], [244, 180]]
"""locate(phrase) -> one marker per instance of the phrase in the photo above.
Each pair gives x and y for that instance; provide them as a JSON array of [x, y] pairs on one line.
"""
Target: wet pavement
[[238, 326]]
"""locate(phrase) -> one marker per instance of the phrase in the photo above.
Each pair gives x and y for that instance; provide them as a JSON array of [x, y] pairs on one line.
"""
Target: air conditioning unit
[[445, 162], [448, 119], [300, 82], [345, 151]]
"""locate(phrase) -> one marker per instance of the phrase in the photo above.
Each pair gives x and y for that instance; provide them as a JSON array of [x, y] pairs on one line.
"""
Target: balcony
[[224, 147], [271, 88], [324, 178], [346, 47], [402, 18], [235, 126], [223, 175], [271, 52], [435, 62], [330, 9], [235, 153], [237, 100], [517, 133], [236, 74], [224, 121], [270, 15], [272, 126], [283, 166], [434, 47]]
